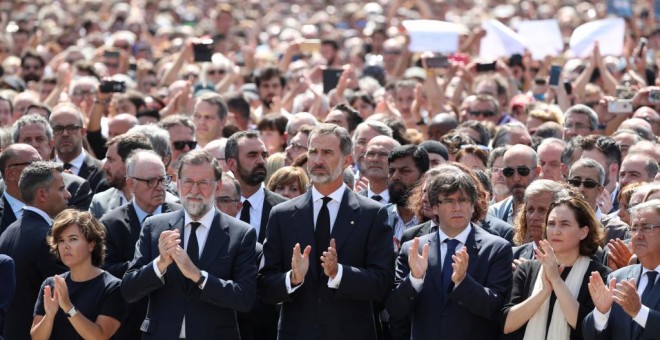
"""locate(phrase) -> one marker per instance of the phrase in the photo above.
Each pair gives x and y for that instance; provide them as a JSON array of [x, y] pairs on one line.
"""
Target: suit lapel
[[435, 267], [217, 240], [134, 223], [304, 212], [84, 168], [349, 213], [473, 244], [265, 212], [176, 222]]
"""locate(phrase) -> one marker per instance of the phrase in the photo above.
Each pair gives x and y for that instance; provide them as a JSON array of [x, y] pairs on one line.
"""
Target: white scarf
[[559, 328]]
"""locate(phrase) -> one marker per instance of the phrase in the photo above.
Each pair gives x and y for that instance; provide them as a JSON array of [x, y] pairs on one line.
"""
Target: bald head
[[377, 152], [216, 148], [642, 127], [121, 123], [441, 124], [520, 169], [13, 160]]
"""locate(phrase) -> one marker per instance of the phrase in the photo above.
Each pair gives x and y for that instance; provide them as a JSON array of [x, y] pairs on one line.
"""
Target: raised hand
[[625, 294], [619, 255], [186, 266], [330, 261], [51, 304], [546, 255], [167, 243], [601, 295], [62, 293], [460, 265], [299, 264], [418, 263]]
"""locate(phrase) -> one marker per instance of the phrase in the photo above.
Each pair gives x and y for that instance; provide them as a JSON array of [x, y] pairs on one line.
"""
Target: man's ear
[[231, 164], [348, 160]]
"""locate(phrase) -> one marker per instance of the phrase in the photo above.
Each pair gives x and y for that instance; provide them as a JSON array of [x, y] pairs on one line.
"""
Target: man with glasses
[[579, 120], [484, 108], [605, 151], [377, 168], [636, 168], [298, 144], [146, 179], [13, 160], [69, 131], [627, 304], [520, 169], [196, 265], [182, 137], [229, 198], [587, 176]]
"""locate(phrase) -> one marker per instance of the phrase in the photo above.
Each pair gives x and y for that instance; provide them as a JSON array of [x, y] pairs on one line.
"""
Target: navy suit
[[8, 280], [25, 242], [92, 170], [472, 309], [620, 324], [210, 313], [271, 199], [364, 249], [7, 215]]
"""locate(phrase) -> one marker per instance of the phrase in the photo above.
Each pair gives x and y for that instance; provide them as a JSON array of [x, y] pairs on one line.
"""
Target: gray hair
[[349, 177], [159, 138], [177, 120], [652, 205], [136, 156], [38, 175], [650, 164], [378, 126], [6, 138], [345, 144], [307, 117], [541, 186], [199, 157], [589, 163], [29, 120], [237, 186], [552, 141], [583, 110], [495, 154]]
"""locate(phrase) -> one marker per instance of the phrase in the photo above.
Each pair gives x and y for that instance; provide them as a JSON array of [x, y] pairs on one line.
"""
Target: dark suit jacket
[[8, 217], [228, 257], [472, 309], [92, 171], [8, 279], [619, 325], [25, 242], [417, 231], [80, 189], [498, 227], [614, 228], [271, 199], [524, 251], [364, 248]]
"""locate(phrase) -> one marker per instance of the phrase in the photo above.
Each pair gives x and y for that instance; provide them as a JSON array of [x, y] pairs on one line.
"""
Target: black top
[[523, 284], [98, 296]]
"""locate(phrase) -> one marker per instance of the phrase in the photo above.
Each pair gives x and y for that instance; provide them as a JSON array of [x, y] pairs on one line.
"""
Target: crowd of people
[[294, 170]]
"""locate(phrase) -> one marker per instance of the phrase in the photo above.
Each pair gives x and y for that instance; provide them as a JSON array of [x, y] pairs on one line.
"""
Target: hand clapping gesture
[[546, 255], [418, 263], [299, 264], [601, 295]]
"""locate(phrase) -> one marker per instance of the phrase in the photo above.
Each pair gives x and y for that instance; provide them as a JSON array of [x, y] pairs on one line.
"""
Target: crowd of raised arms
[[330, 170]]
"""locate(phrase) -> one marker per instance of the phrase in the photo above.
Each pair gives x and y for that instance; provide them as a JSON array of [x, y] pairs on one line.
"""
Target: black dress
[[98, 296], [523, 284]]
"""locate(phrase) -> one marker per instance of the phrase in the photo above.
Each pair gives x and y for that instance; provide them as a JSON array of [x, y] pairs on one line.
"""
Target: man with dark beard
[[407, 165], [270, 84], [245, 154]]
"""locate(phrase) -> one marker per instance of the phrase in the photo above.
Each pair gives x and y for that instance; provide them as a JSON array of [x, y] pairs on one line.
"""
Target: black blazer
[[524, 251], [417, 231], [498, 227], [7, 214], [472, 309], [364, 248], [25, 242], [271, 199], [228, 257], [8, 279], [92, 171]]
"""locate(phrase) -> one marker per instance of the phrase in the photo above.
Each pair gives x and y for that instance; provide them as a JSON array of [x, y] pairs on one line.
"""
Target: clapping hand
[[299, 264], [460, 265], [329, 260], [601, 295], [51, 304], [418, 263], [546, 255], [625, 294], [62, 292]]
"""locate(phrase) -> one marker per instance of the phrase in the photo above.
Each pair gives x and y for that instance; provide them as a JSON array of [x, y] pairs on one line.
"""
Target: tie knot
[[452, 243], [376, 198], [194, 226], [246, 204], [67, 166], [652, 274], [326, 200]]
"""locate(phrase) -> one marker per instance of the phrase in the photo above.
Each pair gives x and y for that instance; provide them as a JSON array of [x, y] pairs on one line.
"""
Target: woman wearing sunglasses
[[550, 295]]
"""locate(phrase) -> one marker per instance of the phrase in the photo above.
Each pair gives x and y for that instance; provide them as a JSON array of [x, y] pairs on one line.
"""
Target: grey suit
[[111, 199], [620, 324]]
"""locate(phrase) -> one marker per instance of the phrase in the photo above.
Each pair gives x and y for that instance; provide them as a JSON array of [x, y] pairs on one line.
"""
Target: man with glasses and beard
[[245, 154], [520, 169], [407, 165], [197, 265]]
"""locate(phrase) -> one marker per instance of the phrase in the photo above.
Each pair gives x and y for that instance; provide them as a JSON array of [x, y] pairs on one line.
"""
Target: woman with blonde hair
[[289, 181]]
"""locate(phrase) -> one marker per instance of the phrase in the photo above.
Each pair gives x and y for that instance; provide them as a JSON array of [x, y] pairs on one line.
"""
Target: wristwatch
[[72, 312], [199, 282]]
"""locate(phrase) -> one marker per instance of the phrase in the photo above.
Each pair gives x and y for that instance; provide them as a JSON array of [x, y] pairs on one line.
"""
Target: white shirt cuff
[[158, 273], [416, 283], [334, 283], [206, 278], [600, 319], [642, 316], [287, 281]]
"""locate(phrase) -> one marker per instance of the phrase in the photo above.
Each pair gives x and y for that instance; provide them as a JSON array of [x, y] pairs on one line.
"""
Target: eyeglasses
[[643, 229], [522, 171], [190, 75], [297, 147], [482, 113], [589, 184], [450, 202], [58, 130], [180, 145], [225, 200], [214, 72], [20, 164], [202, 185], [154, 182], [576, 126], [81, 93], [496, 170]]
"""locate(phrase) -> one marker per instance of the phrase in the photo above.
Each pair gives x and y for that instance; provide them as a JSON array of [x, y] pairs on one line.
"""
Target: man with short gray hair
[[579, 120]]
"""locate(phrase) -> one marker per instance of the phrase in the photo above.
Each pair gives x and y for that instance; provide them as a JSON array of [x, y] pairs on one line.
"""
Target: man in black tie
[[146, 178], [376, 168], [13, 161], [340, 249], [635, 291], [246, 155], [197, 265]]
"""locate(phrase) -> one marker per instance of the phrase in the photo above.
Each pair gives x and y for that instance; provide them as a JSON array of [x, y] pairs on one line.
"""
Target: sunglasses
[[589, 184], [482, 113], [522, 171], [182, 145]]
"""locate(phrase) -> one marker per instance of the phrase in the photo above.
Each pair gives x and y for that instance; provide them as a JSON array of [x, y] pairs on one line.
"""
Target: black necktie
[[322, 232], [447, 269], [376, 198], [193, 245], [67, 166], [652, 274], [245, 212]]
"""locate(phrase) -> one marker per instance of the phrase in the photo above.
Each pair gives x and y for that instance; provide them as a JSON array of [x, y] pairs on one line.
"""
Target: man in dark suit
[[42, 188], [69, 130], [327, 289], [36, 131], [246, 155], [146, 179], [634, 289], [13, 161], [453, 282], [196, 265], [8, 279], [376, 168]]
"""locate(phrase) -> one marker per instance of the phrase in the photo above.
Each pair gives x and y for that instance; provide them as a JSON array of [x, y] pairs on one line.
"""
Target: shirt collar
[[206, 220], [599, 214], [15, 204], [141, 214], [462, 237], [336, 195], [257, 199], [385, 194], [76, 162], [644, 270], [41, 213]]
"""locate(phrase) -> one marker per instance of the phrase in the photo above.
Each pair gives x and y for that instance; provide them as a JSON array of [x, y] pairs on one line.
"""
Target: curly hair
[[90, 228]]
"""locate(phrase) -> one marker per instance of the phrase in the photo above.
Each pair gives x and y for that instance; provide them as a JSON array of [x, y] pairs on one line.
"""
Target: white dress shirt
[[76, 163], [384, 196], [16, 205], [256, 208]]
